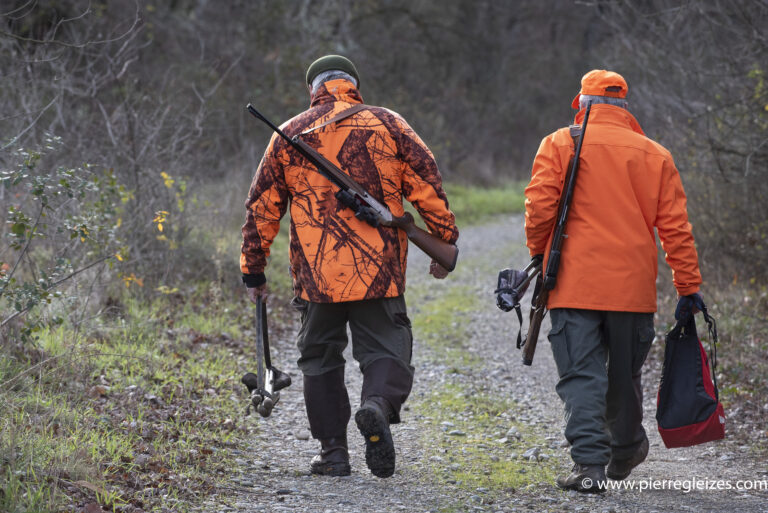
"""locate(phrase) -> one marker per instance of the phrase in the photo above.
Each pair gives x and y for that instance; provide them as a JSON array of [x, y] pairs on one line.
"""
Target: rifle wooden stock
[[444, 253], [538, 311]]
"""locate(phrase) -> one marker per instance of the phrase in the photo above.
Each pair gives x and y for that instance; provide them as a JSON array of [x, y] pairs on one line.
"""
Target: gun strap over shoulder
[[338, 117], [575, 131]]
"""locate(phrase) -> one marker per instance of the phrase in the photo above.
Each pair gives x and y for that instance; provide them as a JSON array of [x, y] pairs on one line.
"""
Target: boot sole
[[379, 447]]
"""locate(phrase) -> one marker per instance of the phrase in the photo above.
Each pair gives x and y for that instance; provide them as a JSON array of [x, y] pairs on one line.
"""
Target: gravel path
[[272, 475]]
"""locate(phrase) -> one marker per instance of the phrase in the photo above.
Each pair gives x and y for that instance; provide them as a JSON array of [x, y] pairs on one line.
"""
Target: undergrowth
[[140, 413]]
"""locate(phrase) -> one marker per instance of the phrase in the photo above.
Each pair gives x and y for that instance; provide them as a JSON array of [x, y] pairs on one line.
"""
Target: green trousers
[[382, 345], [599, 357]]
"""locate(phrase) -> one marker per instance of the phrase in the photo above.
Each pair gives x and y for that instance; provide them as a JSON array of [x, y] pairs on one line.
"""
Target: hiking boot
[[619, 469], [373, 422], [333, 459], [584, 478]]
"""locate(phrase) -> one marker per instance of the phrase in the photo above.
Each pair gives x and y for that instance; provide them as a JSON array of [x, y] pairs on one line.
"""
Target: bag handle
[[682, 323], [712, 328]]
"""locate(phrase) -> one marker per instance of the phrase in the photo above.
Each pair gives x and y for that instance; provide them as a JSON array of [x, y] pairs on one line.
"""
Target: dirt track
[[272, 474]]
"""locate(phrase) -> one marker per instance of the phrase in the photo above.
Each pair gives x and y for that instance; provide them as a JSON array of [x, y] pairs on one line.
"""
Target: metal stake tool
[[268, 380]]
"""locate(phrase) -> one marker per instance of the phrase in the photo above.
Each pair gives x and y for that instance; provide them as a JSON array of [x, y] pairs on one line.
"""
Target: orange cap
[[600, 82]]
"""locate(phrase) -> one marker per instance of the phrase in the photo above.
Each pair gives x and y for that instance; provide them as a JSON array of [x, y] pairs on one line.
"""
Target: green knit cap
[[330, 62]]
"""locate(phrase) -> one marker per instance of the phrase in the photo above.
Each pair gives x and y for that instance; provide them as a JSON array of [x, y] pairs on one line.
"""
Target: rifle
[[546, 283], [365, 207], [264, 385]]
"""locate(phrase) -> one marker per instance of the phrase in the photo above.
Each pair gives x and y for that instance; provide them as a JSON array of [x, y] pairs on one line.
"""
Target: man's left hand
[[255, 292], [688, 305], [437, 270]]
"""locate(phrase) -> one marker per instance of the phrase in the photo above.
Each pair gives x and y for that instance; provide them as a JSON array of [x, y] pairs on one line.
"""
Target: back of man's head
[[331, 67], [602, 86]]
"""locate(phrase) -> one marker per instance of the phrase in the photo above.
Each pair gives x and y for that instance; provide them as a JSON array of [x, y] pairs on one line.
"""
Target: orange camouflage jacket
[[334, 256]]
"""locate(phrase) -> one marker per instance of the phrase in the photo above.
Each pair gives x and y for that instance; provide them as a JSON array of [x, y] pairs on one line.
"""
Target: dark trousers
[[381, 344], [599, 357]]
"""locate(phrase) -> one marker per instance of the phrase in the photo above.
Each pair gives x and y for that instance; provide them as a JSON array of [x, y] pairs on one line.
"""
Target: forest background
[[126, 154]]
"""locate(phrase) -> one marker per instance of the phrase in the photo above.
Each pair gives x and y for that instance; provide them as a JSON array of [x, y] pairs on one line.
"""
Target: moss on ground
[[441, 320], [479, 454]]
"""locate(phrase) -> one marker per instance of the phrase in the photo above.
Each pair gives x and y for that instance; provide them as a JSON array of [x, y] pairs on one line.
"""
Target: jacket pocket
[[401, 318], [301, 306], [644, 339]]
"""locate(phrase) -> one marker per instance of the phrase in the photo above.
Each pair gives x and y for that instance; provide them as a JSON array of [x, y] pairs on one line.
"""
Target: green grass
[[147, 405], [478, 459], [472, 205]]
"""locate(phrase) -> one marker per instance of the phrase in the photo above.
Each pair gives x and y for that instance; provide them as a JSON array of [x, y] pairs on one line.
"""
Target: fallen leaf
[[98, 391]]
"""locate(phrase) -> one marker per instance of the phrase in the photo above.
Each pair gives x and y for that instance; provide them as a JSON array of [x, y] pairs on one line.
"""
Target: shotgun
[[547, 282], [365, 207]]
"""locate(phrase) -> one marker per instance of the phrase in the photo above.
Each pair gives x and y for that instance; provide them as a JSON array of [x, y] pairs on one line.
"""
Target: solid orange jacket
[[336, 257], [626, 186]]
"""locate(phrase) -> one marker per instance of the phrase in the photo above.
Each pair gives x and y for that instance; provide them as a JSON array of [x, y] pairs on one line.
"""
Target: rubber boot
[[333, 459], [373, 422]]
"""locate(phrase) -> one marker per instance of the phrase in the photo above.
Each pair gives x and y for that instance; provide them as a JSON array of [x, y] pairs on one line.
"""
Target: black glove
[[686, 304]]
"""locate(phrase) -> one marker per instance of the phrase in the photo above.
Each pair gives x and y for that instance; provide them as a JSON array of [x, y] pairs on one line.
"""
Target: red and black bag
[[688, 410]]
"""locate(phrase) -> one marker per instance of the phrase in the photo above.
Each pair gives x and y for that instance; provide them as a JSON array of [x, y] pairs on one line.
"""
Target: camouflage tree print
[[334, 256]]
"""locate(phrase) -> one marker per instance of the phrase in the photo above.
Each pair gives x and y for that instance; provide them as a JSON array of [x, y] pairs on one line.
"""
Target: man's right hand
[[255, 292], [437, 270]]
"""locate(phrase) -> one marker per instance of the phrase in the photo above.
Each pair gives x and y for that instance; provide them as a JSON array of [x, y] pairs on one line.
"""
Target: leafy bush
[[59, 223]]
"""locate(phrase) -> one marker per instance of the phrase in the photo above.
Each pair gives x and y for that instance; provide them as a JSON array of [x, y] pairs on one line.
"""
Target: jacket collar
[[604, 113], [338, 90]]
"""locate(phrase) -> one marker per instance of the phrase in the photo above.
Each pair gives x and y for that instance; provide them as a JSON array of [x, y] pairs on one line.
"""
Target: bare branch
[[41, 112]]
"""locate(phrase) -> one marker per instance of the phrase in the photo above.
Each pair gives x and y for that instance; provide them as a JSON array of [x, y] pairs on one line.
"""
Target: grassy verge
[[141, 409], [473, 205], [140, 414]]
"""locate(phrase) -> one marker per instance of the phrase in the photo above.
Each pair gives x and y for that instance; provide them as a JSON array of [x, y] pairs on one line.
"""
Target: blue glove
[[687, 304]]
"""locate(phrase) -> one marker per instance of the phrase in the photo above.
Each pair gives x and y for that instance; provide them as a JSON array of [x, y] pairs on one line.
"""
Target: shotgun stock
[[442, 252], [538, 311]]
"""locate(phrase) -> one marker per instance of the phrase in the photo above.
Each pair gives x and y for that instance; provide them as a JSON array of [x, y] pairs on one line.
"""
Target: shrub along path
[[481, 432]]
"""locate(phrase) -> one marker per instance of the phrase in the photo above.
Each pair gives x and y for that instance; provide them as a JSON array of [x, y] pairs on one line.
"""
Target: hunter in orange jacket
[[605, 295], [347, 274], [627, 185], [336, 257]]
